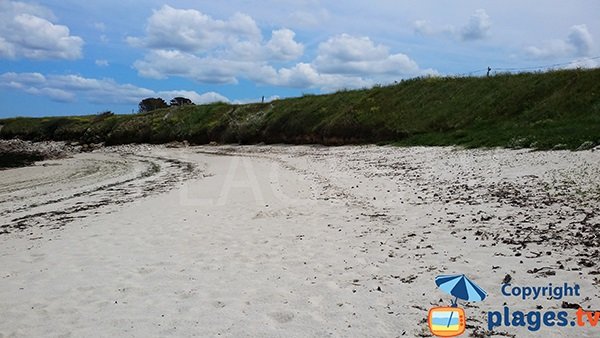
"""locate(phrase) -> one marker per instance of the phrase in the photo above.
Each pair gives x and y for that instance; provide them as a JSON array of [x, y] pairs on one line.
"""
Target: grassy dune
[[558, 109]]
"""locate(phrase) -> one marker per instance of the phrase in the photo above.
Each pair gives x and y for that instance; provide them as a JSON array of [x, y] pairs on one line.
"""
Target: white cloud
[[26, 31], [360, 63], [35, 84], [304, 75], [208, 97], [71, 88], [198, 34], [190, 44], [347, 48], [556, 48], [423, 27], [22, 7], [192, 31], [349, 55], [160, 64], [283, 46], [581, 39], [478, 27], [55, 94], [584, 63], [578, 43]]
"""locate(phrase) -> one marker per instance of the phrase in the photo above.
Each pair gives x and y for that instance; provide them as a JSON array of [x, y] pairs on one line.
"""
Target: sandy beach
[[292, 241]]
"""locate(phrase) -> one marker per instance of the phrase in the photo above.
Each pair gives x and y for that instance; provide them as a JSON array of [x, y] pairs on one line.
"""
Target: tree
[[151, 103], [181, 101]]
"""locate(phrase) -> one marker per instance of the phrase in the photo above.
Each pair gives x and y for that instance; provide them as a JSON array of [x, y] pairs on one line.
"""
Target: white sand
[[288, 241]]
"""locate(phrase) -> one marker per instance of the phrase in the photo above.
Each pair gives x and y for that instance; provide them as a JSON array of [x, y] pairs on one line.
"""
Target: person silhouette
[[488, 72]]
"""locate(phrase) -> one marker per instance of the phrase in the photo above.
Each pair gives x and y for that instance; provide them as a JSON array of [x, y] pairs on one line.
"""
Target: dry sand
[[290, 241]]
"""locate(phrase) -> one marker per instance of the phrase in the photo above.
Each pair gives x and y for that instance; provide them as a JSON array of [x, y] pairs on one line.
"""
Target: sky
[[73, 57]]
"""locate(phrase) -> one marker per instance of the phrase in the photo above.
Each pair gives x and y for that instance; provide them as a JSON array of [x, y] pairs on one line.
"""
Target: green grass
[[558, 109]]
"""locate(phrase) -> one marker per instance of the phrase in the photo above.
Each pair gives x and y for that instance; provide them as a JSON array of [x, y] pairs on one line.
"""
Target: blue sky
[[81, 57]]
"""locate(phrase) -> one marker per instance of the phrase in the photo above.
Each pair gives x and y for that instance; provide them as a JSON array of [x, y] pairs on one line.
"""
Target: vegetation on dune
[[16, 159], [558, 109]]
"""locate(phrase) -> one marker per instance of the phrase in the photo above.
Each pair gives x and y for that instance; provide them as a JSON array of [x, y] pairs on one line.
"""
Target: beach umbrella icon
[[460, 286]]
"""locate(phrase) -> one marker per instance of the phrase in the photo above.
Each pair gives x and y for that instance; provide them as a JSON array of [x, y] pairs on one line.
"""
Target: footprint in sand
[[282, 317]]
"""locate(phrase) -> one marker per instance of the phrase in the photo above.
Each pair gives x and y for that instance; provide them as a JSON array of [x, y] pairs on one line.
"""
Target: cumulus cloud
[[349, 55], [193, 45], [22, 7], [478, 27], [192, 31], [347, 48], [35, 84], [579, 43], [70, 88], [342, 62], [27, 31], [557, 48], [423, 27], [581, 40], [283, 46], [160, 64], [304, 75], [208, 97], [345, 61], [583, 63]]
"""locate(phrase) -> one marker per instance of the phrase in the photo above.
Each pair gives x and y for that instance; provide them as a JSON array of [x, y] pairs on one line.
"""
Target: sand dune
[[290, 241]]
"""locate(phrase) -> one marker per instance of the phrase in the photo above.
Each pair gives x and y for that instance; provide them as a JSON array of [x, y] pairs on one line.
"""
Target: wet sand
[[291, 241]]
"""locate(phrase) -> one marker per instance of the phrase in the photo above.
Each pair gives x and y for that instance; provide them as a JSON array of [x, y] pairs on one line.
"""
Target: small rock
[[567, 305]]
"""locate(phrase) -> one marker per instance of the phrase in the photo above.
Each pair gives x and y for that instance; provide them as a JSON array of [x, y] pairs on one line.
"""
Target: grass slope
[[558, 109]]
